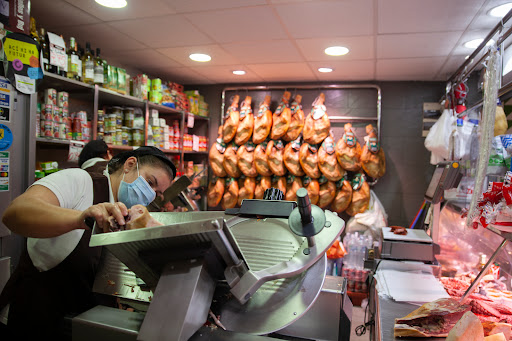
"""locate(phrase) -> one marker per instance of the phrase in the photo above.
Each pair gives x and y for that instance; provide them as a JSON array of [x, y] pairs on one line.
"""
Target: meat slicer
[[259, 268]]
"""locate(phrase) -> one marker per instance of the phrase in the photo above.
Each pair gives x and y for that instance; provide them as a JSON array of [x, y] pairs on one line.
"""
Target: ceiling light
[[239, 72], [473, 44], [200, 57], [112, 3], [336, 51], [324, 69], [501, 10], [466, 57]]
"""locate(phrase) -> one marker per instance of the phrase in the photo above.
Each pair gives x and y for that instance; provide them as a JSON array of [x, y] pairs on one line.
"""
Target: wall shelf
[[51, 141]]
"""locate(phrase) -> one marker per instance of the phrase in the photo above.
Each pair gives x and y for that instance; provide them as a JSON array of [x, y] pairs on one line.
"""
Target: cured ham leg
[[327, 192], [317, 125], [231, 120], [327, 161], [313, 188], [297, 122], [360, 196], [348, 150], [246, 190], [246, 124], [262, 122], [275, 153], [279, 182], [373, 159], [291, 158], [246, 163], [293, 183], [281, 118], [261, 159], [308, 158], [343, 196], [230, 161], [216, 156], [262, 184], [230, 198], [215, 191]]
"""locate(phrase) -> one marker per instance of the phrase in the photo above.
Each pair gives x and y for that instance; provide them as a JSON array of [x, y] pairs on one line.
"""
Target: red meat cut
[[138, 217], [484, 308]]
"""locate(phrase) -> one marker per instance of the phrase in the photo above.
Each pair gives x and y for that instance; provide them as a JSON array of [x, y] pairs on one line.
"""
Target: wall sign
[[5, 100], [15, 15], [5, 137], [4, 171]]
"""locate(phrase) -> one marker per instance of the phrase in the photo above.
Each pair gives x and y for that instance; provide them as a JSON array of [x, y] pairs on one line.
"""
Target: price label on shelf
[[75, 148], [58, 56], [190, 120], [195, 143]]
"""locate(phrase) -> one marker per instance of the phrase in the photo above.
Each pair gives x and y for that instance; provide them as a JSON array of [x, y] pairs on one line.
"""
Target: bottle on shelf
[[43, 40], [63, 71], [73, 60], [88, 65], [98, 68], [33, 30], [80, 52]]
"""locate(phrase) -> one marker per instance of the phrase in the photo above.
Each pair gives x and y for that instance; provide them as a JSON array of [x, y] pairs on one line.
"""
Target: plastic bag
[[368, 222], [439, 140], [462, 140]]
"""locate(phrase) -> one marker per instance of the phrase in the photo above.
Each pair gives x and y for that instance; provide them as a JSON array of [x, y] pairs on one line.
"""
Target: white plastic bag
[[462, 141], [439, 140], [371, 219]]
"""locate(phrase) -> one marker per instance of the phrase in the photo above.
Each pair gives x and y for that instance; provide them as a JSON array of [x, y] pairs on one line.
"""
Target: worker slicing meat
[[56, 271]]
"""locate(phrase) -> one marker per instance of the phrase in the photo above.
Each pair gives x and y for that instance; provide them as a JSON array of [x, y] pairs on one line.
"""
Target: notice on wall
[[75, 148], [5, 100], [5, 137], [4, 171]]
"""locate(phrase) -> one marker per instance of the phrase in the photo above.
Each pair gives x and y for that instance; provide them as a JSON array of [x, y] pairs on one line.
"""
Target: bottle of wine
[[98, 68], [88, 65], [73, 59], [45, 62]]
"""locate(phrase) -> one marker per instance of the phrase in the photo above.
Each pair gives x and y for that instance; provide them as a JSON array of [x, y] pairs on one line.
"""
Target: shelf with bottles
[[51, 80]]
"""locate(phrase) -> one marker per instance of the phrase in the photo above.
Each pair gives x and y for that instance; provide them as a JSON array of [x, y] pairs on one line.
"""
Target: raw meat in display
[[246, 124], [279, 182], [291, 158], [313, 188], [216, 156], [491, 328], [327, 192], [327, 161], [343, 196], [308, 158], [317, 124], [230, 161], [138, 217], [484, 308], [231, 120], [433, 319], [230, 198], [281, 118], [503, 309], [262, 122], [468, 328], [487, 318], [373, 159], [275, 152], [360, 196], [262, 184], [348, 150], [245, 155], [246, 188], [261, 159], [293, 183], [215, 191], [297, 122]]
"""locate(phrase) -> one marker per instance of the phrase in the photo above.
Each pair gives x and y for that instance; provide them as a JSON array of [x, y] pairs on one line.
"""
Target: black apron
[[39, 301]]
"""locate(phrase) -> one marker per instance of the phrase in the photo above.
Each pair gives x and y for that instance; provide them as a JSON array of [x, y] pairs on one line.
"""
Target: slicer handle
[[304, 205]]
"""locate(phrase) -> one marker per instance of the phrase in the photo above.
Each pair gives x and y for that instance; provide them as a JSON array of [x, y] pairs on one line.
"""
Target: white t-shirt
[[74, 189]]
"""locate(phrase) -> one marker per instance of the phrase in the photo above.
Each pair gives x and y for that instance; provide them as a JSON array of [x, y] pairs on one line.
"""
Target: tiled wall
[[408, 172]]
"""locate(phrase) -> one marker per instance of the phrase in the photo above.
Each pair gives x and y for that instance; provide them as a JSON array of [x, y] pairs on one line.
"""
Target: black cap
[[95, 148], [146, 150]]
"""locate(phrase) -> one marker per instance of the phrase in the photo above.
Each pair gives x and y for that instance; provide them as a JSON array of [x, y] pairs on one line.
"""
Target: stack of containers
[[154, 127], [353, 263], [81, 127], [127, 128], [155, 95], [54, 115], [176, 136], [141, 85]]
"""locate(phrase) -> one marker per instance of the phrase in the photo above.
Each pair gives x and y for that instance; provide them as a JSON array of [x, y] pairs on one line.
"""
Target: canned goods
[[128, 117], [62, 131], [124, 136], [137, 137], [65, 112], [48, 112], [156, 84], [107, 137], [63, 99], [76, 132], [47, 130], [69, 129], [50, 96], [119, 137], [55, 127]]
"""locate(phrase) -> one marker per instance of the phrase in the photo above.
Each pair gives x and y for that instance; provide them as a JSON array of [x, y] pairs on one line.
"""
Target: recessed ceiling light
[[112, 3], [501, 10], [200, 57], [239, 72], [324, 69], [336, 51], [466, 57], [473, 44]]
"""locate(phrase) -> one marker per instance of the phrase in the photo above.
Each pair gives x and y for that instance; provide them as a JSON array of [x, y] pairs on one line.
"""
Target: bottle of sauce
[[98, 68], [43, 40], [88, 65], [73, 60]]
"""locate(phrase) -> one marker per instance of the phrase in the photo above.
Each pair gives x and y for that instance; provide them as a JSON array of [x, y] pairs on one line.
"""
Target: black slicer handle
[[304, 205]]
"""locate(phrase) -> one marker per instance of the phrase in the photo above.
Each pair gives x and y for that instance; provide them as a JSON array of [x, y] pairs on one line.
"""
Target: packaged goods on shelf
[[50, 96], [140, 86], [38, 120], [153, 113], [121, 81], [63, 99], [168, 98]]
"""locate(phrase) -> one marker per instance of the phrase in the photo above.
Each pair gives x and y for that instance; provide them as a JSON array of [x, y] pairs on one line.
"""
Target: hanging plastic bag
[[368, 222], [439, 138], [462, 139]]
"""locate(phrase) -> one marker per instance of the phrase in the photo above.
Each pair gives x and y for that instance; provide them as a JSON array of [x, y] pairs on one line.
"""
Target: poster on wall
[[15, 15], [4, 171]]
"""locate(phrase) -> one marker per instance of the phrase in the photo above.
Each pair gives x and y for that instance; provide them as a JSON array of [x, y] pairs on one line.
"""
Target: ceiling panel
[[134, 9], [485, 21], [286, 72], [181, 55], [182, 6], [420, 69], [360, 48], [102, 36], [460, 49], [328, 18], [274, 51], [416, 44], [166, 31], [46, 13], [451, 65], [353, 70], [224, 74], [407, 16], [181, 75], [239, 25], [146, 59]]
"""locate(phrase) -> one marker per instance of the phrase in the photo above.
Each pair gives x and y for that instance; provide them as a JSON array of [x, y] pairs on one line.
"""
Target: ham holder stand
[[260, 268]]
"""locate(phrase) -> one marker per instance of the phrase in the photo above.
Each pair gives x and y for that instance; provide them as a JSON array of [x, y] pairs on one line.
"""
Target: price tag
[[75, 148], [58, 56], [190, 120], [195, 143]]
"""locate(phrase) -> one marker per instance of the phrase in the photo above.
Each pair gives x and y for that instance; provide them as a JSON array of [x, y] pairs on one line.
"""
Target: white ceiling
[[276, 40]]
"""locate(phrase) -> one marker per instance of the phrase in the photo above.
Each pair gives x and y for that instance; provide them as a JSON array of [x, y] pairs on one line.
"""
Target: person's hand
[[103, 213]]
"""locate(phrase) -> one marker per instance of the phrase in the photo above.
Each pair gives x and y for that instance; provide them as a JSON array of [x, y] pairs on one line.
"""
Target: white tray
[[412, 235]]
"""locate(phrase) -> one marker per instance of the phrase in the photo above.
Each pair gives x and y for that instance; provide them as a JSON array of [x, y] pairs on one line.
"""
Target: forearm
[[35, 217]]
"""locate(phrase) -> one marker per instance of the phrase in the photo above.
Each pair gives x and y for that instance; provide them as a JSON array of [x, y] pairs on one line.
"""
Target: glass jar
[[128, 117], [137, 137]]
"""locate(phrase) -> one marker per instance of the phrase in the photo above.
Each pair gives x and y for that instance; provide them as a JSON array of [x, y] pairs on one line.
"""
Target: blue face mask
[[138, 192]]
